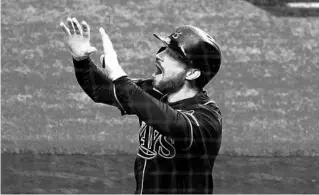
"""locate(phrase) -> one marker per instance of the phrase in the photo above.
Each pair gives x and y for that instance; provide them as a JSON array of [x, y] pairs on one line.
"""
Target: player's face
[[171, 73]]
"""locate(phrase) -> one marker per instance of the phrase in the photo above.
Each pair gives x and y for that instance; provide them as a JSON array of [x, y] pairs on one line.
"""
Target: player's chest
[[152, 143]]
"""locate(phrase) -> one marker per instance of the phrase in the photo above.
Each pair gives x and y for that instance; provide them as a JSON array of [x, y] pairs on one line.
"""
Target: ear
[[192, 74]]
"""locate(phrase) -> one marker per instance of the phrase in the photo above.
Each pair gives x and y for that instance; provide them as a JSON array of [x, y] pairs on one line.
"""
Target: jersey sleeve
[[181, 126], [95, 83], [205, 127]]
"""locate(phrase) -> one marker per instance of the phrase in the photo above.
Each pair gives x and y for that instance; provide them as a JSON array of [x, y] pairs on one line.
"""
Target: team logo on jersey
[[152, 143]]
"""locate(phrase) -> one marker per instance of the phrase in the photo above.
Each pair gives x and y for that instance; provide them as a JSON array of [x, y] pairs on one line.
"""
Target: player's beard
[[171, 84]]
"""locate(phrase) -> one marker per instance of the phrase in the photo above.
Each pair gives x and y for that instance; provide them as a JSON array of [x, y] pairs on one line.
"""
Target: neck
[[184, 93]]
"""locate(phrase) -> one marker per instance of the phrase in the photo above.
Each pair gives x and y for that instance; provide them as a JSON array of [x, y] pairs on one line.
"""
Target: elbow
[[93, 98], [95, 94], [96, 98], [89, 92]]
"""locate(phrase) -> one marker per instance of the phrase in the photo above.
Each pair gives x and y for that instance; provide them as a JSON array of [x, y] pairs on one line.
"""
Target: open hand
[[78, 38], [111, 64]]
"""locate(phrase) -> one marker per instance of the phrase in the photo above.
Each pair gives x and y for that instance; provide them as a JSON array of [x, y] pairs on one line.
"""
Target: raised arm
[[91, 78], [112, 86], [183, 127], [202, 125], [96, 84]]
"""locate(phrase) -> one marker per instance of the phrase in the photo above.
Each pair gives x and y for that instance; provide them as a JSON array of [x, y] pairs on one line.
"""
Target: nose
[[159, 57]]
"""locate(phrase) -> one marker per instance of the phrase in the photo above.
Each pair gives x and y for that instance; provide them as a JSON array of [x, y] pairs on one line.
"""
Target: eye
[[161, 49]]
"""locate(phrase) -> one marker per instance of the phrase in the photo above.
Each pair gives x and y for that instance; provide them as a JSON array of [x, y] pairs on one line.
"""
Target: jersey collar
[[200, 98]]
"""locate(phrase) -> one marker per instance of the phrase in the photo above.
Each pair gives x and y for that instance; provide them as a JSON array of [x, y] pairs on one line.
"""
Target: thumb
[[92, 49]]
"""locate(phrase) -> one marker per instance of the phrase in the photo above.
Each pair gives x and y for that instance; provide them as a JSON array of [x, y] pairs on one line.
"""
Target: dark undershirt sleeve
[[95, 83]]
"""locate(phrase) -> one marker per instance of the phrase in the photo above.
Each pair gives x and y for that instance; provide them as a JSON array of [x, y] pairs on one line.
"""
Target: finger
[[107, 44], [86, 29], [77, 27], [103, 33], [71, 27], [65, 29]]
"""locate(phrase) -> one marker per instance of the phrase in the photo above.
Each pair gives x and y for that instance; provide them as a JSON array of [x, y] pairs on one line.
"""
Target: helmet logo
[[176, 34]]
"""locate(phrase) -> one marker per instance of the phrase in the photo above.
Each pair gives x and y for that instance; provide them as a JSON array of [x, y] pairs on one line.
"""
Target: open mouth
[[158, 69]]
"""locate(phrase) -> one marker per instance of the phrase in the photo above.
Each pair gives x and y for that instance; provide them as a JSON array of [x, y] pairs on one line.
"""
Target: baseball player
[[180, 126]]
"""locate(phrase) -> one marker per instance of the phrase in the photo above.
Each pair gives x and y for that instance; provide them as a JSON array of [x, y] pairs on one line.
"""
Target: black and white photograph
[[159, 96]]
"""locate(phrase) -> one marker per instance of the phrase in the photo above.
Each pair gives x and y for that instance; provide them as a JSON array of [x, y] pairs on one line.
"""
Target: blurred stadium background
[[267, 90], [267, 87]]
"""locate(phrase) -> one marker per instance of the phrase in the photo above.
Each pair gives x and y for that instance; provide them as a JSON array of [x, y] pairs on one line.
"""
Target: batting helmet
[[197, 48]]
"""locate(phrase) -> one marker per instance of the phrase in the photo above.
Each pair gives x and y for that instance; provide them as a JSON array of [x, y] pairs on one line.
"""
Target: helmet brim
[[164, 39]]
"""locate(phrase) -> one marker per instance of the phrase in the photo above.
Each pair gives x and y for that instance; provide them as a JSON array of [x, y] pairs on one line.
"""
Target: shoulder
[[209, 108], [206, 115]]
